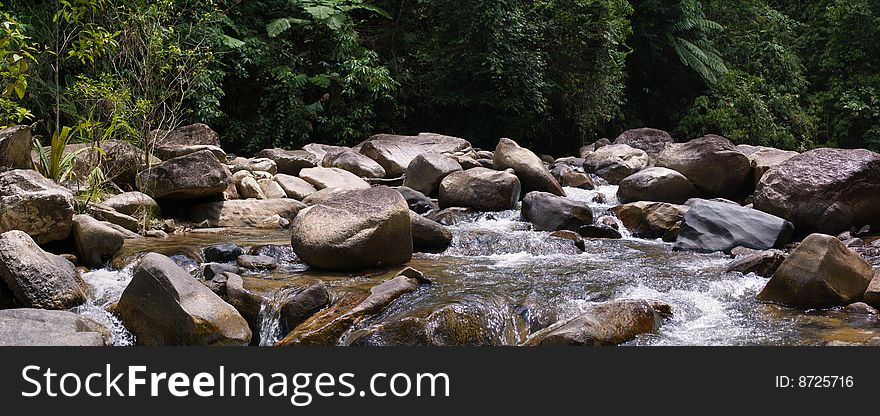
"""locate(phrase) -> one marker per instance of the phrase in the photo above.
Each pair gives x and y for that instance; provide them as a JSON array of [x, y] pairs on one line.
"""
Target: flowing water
[[514, 280]]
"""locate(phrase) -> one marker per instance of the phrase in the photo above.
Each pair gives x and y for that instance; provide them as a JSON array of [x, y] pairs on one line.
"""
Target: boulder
[[481, 189], [353, 162], [37, 278], [323, 195], [289, 162], [764, 158], [528, 167], [650, 219], [572, 236], [599, 231], [609, 323], [762, 263], [322, 178], [271, 189], [824, 190], [548, 212], [416, 200], [302, 305], [223, 253], [821, 272], [246, 302], [210, 270], [244, 213], [656, 184], [164, 305], [318, 151], [253, 165], [395, 153], [872, 293], [42, 328], [712, 163], [250, 262], [359, 229], [166, 153], [192, 135], [248, 187], [428, 235], [427, 170], [126, 224], [651, 141], [327, 326], [15, 147], [577, 180], [711, 226], [860, 308], [96, 242], [35, 205], [294, 187], [615, 162], [192, 176], [134, 203]]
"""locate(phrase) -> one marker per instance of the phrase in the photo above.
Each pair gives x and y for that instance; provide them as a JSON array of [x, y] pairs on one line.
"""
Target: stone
[[166, 153], [872, 293], [271, 189], [615, 162], [249, 188], [322, 178], [860, 308], [35, 205], [427, 170], [38, 279], [164, 305], [247, 303], [42, 328], [650, 219], [599, 231], [467, 162], [395, 153], [210, 270], [821, 272], [192, 176], [481, 189], [15, 147], [294, 187], [658, 185], [244, 213], [528, 167], [223, 253], [570, 236], [577, 180], [449, 216], [764, 158], [651, 141], [609, 323], [429, 236], [353, 162], [323, 195], [247, 261], [328, 325], [548, 212], [289, 162], [712, 163], [318, 151], [134, 203], [762, 263], [253, 165], [302, 305], [96, 242], [711, 226], [416, 200], [355, 230], [824, 190], [191, 135]]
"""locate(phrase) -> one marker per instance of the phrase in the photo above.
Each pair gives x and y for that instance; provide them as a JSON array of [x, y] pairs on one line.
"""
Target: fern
[[281, 25]]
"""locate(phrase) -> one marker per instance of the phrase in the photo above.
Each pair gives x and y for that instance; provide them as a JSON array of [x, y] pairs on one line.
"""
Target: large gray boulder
[[192, 135], [35, 205], [353, 162], [651, 141], [37, 278], [711, 226], [355, 230], [482, 189], [244, 213], [528, 167], [96, 242], [615, 162], [821, 272], [395, 153], [656, 184], [15, 147], [133, 203], [322, 178], [824, 190], [427, 170], [164, 305], [609, 323], [289, 162], [764, 158], [42, 328], [548, 212], [712, 163], [195, 175]]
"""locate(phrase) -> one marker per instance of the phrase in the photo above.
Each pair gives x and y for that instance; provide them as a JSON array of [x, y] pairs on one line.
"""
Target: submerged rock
[[711, 226], [481, 189], [712, 163], [36, 205], [37, 278], [599, 231], [528, 167], [42, 328], [609, 323], [548, 212], [762, 263]]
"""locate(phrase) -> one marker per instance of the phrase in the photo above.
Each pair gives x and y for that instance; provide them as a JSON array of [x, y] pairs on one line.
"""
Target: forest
[[551, 74]]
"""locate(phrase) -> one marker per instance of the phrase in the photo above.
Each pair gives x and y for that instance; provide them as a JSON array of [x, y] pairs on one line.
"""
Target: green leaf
[[231, 42]]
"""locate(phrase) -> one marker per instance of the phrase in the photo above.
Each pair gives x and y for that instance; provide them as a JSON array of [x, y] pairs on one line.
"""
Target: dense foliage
[[550, 73]]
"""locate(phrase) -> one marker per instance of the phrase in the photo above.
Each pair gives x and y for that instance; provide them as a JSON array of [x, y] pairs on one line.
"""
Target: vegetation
[[553, 74]]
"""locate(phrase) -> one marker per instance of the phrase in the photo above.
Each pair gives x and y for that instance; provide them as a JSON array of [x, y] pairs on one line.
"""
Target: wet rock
[[416, 200], [37, 327], [164, 305], [253, 165], [223, 253], [35, 205], [824, 190], [449, 216], [711, 226], [651, 141], [599, 231], [860, 308], [322, 178], [96, 242], [303, 305], [650, 219], [37, 278], [764, 158], [271, 189], [426, 171], [820, 272], [609, 323], [762, 263], [548, 212], [355, 230], [134, 203], [570, 236], [187, 177], [577, 180], [528, 167], [712, 163], [210, 270], [327, 326], [481, 189], [15, 147], [615, 162], [395, 153], [872, 293], [289, 162], [247, 303], [244, 213], [294, 187], [429, 236], [353, 162], [656, 184], [256, 262]]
